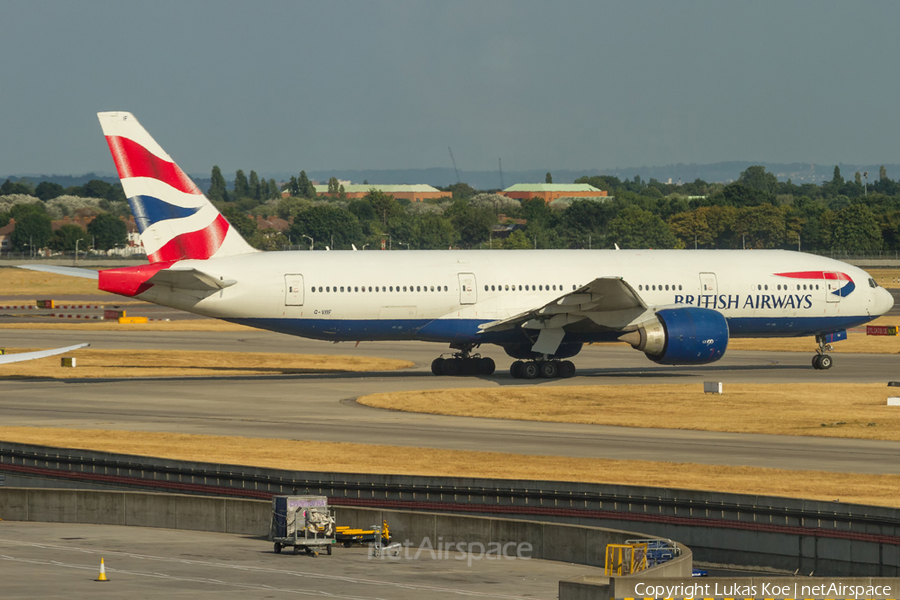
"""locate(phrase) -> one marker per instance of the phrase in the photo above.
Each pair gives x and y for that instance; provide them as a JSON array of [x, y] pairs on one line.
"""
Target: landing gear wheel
[[531, 370], [452, 367], [515, 369], [815, 362], [437, 366], [486, 366], [549, 369], [469, 366], [825, 362], [566, 369]]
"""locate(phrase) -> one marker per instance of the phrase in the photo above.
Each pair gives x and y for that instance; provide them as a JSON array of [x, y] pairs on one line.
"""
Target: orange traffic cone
[[102, 576]]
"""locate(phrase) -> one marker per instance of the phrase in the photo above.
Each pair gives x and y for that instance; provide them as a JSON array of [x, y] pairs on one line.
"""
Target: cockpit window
[[872, 283]]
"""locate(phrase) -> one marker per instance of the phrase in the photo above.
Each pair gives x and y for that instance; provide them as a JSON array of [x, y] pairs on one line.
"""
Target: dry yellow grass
[[181, 363], [829, 410], [362, 458]]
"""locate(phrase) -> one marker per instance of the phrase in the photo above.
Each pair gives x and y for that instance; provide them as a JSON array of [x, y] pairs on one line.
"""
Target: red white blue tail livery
[[176, 220]]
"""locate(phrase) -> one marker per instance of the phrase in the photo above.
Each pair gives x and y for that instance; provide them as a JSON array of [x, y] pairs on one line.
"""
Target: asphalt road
[[322, 407], [62, 561]]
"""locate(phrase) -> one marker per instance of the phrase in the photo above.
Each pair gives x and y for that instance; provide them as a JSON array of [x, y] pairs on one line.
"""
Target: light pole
[[76, 250], [312, 242], [866, 183], [364, 246], [404, 244]]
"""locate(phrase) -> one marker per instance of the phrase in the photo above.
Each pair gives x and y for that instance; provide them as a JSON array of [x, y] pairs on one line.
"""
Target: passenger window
[[506, 288], [679, 288], [485, 288]]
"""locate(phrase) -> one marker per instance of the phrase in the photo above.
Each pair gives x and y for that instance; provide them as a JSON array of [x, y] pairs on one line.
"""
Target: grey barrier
[[549, 541], [783, 533]]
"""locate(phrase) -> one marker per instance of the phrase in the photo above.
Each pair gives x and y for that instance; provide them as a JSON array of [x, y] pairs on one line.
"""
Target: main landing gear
[[822, 361], [463, 363], [545, 369]]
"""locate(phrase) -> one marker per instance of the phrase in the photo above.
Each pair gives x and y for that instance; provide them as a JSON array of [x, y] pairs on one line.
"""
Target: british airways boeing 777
[[679, 307]]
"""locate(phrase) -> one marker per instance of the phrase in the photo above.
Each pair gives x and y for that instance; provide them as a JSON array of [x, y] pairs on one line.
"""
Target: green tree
[[33, 231], [761, 226], [253, 185], [66, 238], [856, 231], [635, 227], [548, 178], [274, 191], [108, 231], [324, 223], [47, 190], [435, 232], [8, 188], [473, 225], [517, 240], [96, 188], [241, 187], [461, 191], [217, 185], [245, 225], [757, 178], [882, 173], [333, 186], [305, 188], [384, 205]]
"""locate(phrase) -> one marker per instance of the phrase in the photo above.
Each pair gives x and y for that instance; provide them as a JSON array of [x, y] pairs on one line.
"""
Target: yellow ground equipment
[[349, 536], [625, 559]]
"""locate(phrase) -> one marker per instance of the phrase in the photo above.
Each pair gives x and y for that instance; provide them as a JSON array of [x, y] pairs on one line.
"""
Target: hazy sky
[[290, 85]]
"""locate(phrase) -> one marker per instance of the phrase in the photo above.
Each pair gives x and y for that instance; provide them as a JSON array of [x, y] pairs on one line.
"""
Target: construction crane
[[454, 165]]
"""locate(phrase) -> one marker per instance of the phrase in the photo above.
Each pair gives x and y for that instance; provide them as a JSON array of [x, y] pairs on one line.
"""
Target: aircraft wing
[[70, 271], [190, 279], [23, 356], [606, 302]]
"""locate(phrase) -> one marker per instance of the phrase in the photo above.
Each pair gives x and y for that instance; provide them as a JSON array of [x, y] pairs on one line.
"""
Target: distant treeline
[[856, 215]]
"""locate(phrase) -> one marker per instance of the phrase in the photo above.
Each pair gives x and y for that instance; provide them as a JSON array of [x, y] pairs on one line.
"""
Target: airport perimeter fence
[[782, 533]]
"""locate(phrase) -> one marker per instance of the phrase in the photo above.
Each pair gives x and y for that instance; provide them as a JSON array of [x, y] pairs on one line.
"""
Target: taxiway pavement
[[322, 407]]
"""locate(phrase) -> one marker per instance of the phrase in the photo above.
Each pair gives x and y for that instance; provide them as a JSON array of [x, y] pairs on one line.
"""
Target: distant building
[[414, 193], [549, 192]]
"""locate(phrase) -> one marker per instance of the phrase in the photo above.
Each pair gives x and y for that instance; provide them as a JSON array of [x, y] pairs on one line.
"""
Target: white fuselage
[[446, 295]]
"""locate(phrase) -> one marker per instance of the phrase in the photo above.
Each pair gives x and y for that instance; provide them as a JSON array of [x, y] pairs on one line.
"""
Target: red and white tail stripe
[[177, 222]]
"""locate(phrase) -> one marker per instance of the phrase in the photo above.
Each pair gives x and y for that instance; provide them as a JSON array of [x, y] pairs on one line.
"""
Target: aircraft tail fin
[[176, 220]]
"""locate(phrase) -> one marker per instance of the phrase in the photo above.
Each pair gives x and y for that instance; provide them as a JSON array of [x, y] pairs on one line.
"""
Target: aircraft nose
[[884, 300]]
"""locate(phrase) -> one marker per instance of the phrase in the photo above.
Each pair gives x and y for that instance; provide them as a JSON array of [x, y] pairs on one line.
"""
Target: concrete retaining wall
[[549, 541]]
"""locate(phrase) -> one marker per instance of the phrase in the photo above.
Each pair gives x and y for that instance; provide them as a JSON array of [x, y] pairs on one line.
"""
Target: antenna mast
[[454, 165]]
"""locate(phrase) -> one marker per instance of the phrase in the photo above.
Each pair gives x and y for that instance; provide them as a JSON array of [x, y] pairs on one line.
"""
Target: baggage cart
[[303, 523]]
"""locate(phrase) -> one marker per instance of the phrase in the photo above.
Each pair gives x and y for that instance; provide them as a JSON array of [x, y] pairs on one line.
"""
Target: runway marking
[[303, 574]]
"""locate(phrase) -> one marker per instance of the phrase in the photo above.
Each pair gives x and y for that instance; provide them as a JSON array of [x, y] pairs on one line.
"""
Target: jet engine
[[681, 336]]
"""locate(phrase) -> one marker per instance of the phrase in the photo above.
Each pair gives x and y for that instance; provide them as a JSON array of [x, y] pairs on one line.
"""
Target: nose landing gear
[[463, 363], [822, 361]]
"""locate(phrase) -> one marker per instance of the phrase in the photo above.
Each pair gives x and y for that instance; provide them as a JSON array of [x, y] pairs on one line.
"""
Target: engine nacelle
[[682, 336]]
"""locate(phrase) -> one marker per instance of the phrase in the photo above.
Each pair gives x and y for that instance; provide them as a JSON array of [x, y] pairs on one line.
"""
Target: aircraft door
[[468, 292], [293, 290], [832, 285], [708, 284]]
